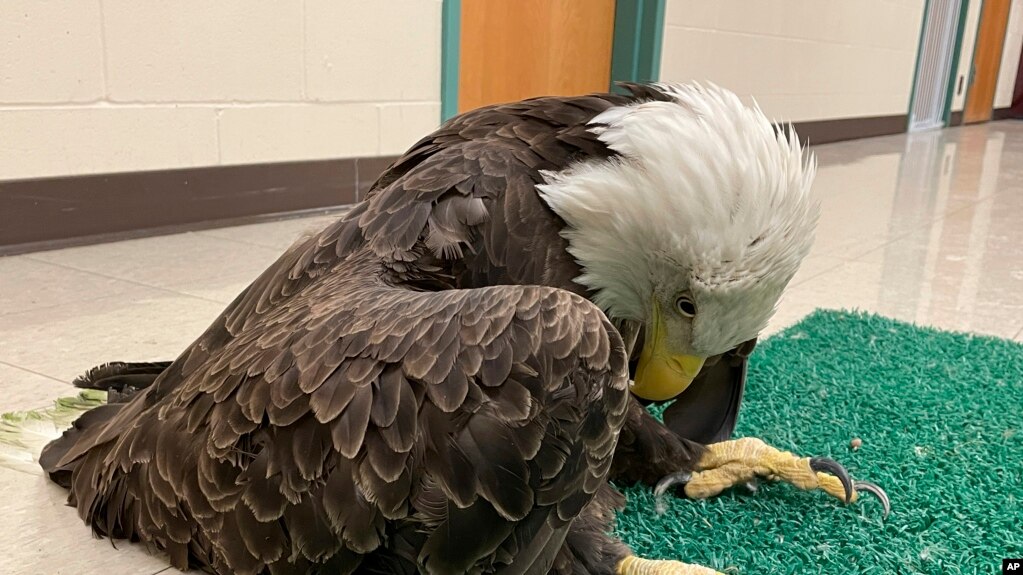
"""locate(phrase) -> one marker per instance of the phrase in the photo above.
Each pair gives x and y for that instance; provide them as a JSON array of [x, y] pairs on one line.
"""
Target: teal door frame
[[916, 64], [635, 48], [638, 38], [953, 72], [450, 37]]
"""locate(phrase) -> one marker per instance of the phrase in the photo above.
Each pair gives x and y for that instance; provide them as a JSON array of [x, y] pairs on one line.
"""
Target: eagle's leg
[[590, 549], [633, 565], [647, 451], [650, 453], [740, 461]]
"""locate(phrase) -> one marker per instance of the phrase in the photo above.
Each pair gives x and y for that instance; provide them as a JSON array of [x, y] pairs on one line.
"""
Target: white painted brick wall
[[373, 50], [50, 52], [95, 86], [1010, 56], [54, 141], [801, 59], [201, 51], [295, 132]]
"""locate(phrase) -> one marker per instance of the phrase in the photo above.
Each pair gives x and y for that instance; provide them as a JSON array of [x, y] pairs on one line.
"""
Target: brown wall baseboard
[[48, 213], [1003, 114], [838, 130], [956, 118]]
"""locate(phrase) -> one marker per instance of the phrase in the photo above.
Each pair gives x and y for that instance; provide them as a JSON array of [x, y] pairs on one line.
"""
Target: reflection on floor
[[926, 228]]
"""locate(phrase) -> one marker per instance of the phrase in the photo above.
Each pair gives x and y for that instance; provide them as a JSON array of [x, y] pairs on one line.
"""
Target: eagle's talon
[[633, 565], [667, 482], [741, 461], [875, 490], [671, 480], [828, 465]]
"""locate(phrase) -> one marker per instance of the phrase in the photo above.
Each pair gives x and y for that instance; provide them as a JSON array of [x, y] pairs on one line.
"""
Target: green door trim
[[916, 65], [638, 38], [450, 36], [954, 72], [635, 49]]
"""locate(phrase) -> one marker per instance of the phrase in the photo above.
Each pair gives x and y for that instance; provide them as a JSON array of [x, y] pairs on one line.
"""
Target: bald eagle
[[446, 379]]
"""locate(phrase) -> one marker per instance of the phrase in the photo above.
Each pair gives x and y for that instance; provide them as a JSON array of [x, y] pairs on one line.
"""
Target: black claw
[[835, 468], [666, 483], [752, 485], [876, 490], [671, 480]]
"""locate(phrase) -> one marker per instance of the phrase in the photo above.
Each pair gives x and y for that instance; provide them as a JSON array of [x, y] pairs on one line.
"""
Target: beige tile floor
[[926, 228]]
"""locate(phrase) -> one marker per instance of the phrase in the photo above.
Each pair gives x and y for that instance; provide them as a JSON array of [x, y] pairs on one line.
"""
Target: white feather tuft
[[706, 195]]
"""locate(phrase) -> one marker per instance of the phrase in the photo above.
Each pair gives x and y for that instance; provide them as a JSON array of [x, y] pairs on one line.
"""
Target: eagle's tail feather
[[120, 378], [24, 434]]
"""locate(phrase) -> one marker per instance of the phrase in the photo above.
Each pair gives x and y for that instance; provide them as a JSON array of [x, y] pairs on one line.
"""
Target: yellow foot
[[633, 565], [740, 461]]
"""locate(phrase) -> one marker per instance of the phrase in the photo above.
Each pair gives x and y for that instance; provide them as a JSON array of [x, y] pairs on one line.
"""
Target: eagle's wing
[[482, 417]]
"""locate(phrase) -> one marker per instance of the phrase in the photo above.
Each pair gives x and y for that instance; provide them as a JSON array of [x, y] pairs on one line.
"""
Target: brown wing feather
[[438, 426], [468, 191]]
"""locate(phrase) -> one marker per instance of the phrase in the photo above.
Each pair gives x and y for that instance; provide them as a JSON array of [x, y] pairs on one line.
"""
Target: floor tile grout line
[[242, 242], [206, 234], [277, 250], [27, 370], [31, 408], [890, 240], [213, 232], [36, 308], [912, 230], [126, 280], [50, 306], [841, 263], [860, 257]]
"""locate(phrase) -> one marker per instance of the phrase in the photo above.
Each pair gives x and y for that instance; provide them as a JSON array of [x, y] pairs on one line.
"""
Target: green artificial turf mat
[[941, 419]]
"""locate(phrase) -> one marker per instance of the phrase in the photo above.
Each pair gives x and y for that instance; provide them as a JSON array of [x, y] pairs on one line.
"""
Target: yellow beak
[[662, 375]]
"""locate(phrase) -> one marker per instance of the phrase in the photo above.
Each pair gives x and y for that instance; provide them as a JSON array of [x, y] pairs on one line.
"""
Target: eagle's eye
[[685, 306]]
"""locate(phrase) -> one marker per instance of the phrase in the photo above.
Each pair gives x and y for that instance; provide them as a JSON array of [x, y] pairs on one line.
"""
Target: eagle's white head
[[693, 230]]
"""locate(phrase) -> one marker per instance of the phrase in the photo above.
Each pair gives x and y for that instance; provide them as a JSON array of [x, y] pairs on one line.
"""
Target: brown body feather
[[420, 386]]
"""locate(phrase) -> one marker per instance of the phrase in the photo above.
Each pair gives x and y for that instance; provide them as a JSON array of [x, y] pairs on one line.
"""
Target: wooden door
[[987, 57], [515, 49]]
